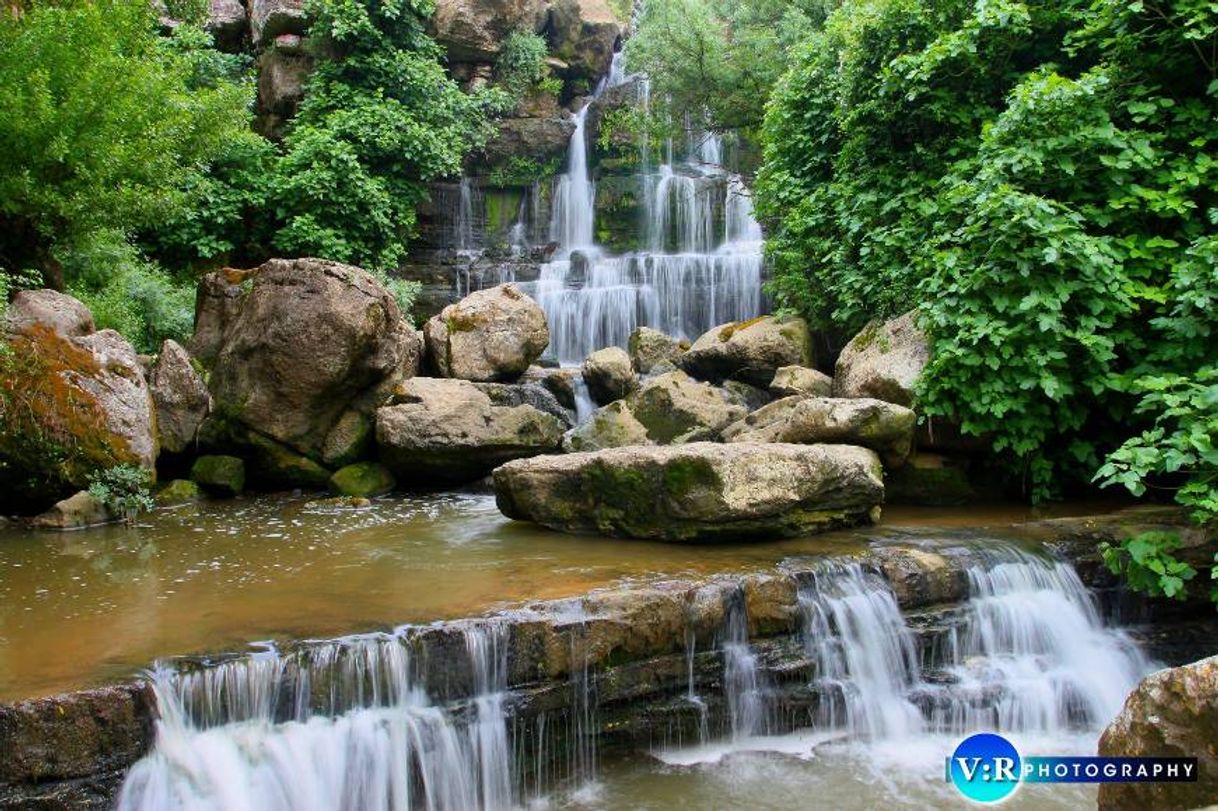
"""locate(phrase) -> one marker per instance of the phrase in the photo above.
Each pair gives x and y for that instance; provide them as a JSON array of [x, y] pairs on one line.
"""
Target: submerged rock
[[491, 335], [609, 375], [176, 492], [675, 409], [883, 361], [74, 512], [442, 431], [1172, 713], [702, 491], [792, 380], [363, 480], [309, 341], [181, 398], [751, 351], [219, 475], [884, 427]]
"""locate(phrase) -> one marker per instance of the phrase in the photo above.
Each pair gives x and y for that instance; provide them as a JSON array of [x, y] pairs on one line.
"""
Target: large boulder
[[649, 348], [271, 18], [530, 393], [283, 72], [583, 34], [181, 398], [311, 341], [883, 361], [441, 431], [702, 491], [1172, 713], [77, 511], [675, 409], [609, 375], [61, 313], [490, 335], [884, 427], [218, 300], [791, 380], [540, 139], [751, 351], [74, 403], [613, 426], [474, 30], [219, 475]]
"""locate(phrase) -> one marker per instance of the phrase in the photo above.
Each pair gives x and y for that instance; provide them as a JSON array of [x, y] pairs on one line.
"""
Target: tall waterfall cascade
[[350, 724], [701, 259]]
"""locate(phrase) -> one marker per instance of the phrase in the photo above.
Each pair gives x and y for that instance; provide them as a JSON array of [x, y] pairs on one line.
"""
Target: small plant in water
[[123, 489]]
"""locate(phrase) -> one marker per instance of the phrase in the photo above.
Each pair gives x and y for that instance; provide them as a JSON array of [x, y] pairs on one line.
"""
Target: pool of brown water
[[87, 607]]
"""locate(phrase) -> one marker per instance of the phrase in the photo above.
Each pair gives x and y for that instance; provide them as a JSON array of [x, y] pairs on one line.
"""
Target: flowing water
[[349, 724]]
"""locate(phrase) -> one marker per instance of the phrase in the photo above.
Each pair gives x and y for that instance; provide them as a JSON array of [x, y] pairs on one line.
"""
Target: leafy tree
[[379, 120], [1039, 175], [103, 125]]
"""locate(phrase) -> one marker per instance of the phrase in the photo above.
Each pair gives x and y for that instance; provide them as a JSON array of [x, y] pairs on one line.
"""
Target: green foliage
[[102, 124], [379, 120], [12, 283], [1148, 565], [1038, 175], [521, 171], [127, 293], [718, 56], [123, 489], [521, 66]]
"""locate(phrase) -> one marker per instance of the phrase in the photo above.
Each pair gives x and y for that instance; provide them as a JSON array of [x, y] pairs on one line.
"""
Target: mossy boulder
[[441, 432], [181, 398], [612, 426], [73, 404], [886, 428], [648, 348], [219, 475], [75, 512], [178, 491], [883, 361], [491, 335], [792, 380], [675, 408], [697, 492], [363, 480], [609, 375], [273, 464], [751, 351]]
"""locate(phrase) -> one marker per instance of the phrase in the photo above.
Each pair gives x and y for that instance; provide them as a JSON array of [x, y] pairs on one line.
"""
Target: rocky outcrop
[[491, 335], [181, 398], [283, 71], [649, 348], [226, 22], [218, 300], [474, 30], [583, 34], [883, 361], [697, 492], [675, 409], [609, 375], [271, 18], [751, 351], [75, 403], [530, 393], [613, 426], [441, 432], [539, 139], [792, 380], [310, 341], [884, 427], [1172, 713], [71, 751], [61, 313]]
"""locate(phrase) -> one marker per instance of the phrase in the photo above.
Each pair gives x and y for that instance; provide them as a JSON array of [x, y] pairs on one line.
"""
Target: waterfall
[[702, 262], [743, 682], [465, 233], [250, 734]]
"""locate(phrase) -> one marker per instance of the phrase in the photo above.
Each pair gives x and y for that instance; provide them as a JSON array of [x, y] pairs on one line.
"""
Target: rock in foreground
[[751, 351], [697, 492], [883, 361], [1172, 713]]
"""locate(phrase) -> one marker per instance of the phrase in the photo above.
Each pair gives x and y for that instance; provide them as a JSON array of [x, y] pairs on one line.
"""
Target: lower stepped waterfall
[[351, 724]]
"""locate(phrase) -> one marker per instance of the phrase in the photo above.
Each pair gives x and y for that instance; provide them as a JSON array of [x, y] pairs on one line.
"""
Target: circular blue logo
[[985, 768]]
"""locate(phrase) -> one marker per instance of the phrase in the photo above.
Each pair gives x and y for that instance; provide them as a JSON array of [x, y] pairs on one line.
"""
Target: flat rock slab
[[702, 491]]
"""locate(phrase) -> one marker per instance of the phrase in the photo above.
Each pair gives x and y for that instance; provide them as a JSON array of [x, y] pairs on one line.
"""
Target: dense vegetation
[[128, 162]]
